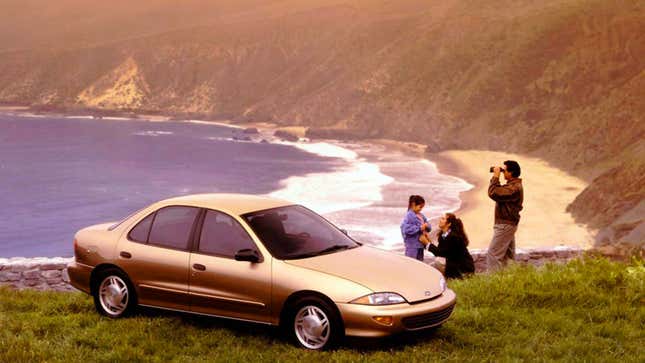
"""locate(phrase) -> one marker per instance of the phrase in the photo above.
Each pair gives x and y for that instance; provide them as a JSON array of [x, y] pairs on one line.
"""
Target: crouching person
[[453, 246]]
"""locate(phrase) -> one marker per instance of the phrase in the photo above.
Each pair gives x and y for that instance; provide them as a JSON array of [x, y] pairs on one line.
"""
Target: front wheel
[[114, 295], [316, 325]]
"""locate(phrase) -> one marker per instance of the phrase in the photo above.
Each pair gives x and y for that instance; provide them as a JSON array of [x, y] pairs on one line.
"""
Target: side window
[[140, 232], [172, 226], [222, 235]]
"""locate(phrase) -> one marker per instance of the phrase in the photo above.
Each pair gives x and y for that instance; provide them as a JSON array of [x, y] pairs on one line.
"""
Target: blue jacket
[[411, 229]]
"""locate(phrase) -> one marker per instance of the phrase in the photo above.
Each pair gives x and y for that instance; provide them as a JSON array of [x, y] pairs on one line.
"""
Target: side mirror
[[345, 232], [249, 255]]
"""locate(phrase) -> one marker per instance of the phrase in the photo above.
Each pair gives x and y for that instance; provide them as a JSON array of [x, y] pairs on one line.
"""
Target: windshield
[[296, 232]]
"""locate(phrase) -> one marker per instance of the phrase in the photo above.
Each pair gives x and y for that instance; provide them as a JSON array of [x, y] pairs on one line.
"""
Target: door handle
[[199, 267], [125, 254]]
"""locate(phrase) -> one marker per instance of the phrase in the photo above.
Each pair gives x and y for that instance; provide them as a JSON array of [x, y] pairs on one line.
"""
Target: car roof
[[233, 203]]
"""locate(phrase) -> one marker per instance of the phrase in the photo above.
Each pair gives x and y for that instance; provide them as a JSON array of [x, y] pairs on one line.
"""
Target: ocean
[[60, 174]]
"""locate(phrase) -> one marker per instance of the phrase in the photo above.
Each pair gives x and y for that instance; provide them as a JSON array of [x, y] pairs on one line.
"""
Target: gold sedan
[[256, 259]]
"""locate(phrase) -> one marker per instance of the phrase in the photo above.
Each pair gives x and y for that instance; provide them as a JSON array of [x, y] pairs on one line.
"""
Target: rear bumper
[[359, 319], [79, 276]]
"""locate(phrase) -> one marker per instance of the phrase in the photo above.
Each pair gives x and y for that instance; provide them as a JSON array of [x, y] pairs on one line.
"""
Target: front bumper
[[79, 276], [359, 320]]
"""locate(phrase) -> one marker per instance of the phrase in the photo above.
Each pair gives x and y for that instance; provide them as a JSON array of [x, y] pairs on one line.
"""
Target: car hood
[[379, 271]]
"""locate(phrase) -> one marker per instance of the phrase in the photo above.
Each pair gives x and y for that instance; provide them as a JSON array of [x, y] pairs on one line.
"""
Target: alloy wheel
[[114, 295], [312, 327]]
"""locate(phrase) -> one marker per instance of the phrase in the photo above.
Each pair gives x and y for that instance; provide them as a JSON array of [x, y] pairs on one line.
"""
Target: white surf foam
[[202, 122], [352, 197], [327, 150], [153, 133], [358, 184], [118, 118]]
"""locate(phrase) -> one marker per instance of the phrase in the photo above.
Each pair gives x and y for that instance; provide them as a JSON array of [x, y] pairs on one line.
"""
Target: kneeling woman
[[453, 244]]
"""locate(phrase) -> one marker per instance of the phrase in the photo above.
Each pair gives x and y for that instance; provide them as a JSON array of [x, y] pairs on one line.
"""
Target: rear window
[[112, 227], [172, 226], [140, 232]]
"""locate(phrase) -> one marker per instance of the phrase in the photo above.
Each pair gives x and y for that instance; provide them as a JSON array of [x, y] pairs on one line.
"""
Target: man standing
[[508, 204]]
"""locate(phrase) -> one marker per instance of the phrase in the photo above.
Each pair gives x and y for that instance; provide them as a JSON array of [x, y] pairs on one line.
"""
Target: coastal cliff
[[562, 80]]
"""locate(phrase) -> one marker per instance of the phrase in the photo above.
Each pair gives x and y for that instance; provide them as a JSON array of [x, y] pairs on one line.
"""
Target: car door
[[220, 285], [155, 254]]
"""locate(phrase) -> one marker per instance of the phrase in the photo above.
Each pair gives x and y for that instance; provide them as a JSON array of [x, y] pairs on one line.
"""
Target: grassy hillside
[[558, 79], [590, 310]]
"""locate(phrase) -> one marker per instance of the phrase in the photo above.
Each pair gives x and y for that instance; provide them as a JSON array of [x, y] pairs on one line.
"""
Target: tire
[[315, 324], [114, 295]]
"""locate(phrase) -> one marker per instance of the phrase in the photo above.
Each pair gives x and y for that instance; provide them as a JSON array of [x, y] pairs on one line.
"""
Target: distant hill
[[560, 79]]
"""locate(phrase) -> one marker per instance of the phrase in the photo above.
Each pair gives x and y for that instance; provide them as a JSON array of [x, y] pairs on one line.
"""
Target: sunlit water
[[58, 175]]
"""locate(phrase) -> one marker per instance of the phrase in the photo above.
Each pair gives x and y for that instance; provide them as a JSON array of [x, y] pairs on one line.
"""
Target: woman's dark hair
[[415, 200], [456, 227]]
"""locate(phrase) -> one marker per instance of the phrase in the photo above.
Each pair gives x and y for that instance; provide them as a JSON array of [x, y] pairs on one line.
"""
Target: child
[[415, 228]]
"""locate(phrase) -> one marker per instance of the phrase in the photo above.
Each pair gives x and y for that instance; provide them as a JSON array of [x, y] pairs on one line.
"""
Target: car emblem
[[428, 293]]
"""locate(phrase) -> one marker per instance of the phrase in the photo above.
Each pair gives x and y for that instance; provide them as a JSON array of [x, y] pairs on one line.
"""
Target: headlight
[[380, 298], [442, 284]]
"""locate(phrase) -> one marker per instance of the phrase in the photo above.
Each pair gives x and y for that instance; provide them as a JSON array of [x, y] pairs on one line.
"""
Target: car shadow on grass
[[392, 343], [237, 327], [275, 335]]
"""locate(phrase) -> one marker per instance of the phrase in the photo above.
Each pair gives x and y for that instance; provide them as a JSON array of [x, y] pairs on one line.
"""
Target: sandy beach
[[547, 192]]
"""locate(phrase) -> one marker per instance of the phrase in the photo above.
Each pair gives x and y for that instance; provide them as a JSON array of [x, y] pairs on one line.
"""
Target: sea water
[[60, 174]]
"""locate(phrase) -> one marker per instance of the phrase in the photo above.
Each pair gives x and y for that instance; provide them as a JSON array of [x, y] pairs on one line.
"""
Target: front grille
[[427, 320]]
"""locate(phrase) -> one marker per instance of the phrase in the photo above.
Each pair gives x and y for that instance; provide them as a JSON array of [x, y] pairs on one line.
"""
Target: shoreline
[[385, 159], [545, 222], [471, 205], [449, 166]]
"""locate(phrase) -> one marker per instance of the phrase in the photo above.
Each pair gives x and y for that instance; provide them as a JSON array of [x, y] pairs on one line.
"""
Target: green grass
[[589, 310]]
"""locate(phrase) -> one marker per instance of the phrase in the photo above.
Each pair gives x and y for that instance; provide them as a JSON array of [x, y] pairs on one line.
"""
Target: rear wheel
[[114, 295], [315, 324]]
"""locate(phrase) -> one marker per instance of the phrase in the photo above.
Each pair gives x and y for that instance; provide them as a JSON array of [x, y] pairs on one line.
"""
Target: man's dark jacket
[[509, 198]]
